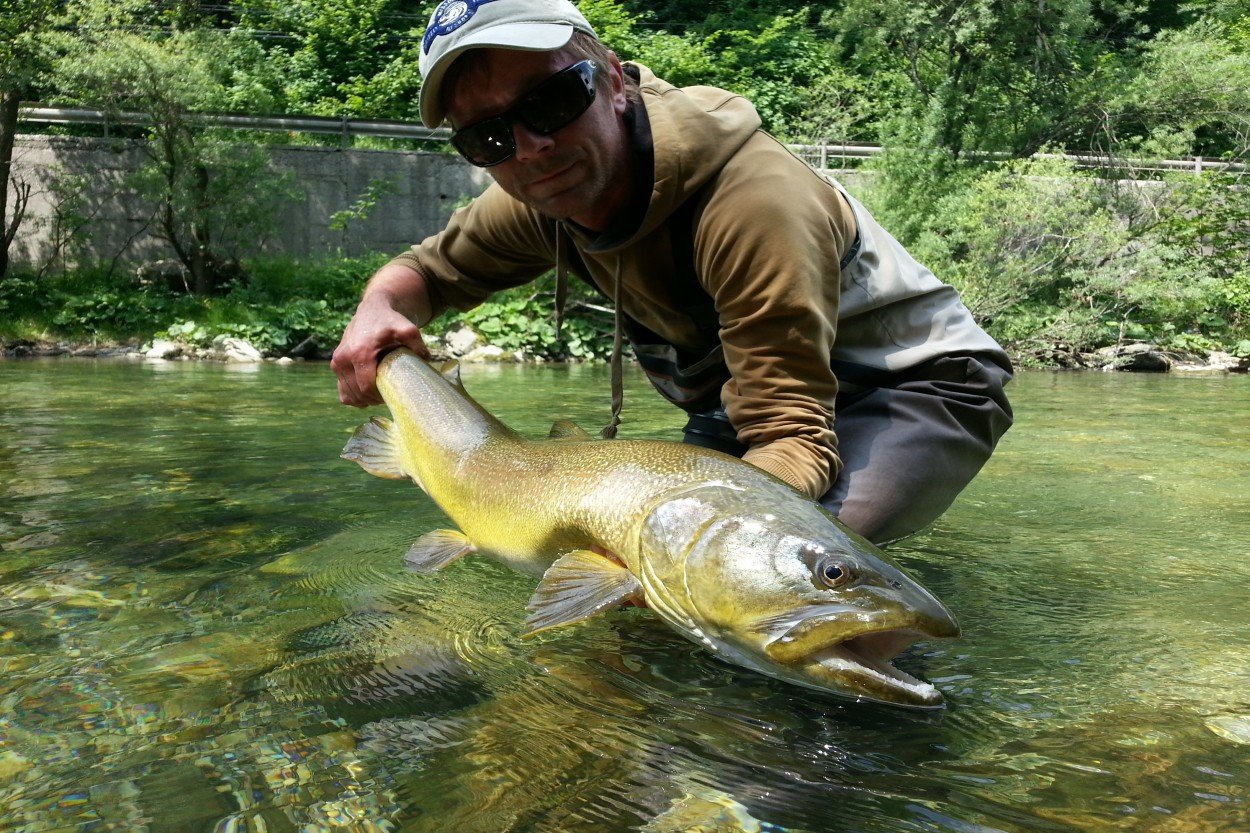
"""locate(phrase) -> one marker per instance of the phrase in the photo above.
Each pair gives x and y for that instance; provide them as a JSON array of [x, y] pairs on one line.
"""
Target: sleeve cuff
[[812, 483]]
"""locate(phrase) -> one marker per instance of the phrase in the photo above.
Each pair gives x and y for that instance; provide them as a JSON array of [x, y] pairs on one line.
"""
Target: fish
[[726, 554]]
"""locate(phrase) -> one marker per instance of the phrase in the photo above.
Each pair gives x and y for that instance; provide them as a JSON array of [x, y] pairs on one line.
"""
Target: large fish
[[728, 555]]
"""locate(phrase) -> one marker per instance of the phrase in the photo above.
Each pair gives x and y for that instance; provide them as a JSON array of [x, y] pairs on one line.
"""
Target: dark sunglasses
[[553, 104]]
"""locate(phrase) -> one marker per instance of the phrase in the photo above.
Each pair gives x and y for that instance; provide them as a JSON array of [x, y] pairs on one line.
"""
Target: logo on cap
[[448, 17]]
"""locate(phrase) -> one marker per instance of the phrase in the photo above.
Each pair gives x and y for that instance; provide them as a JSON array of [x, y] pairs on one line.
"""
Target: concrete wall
[[425, 189], [119, 226]]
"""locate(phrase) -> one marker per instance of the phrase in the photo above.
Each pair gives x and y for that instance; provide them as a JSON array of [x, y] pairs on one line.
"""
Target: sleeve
[[493, 243], [768, 247]]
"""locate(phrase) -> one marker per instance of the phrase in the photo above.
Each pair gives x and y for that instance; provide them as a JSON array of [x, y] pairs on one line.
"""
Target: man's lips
[[548, 181]]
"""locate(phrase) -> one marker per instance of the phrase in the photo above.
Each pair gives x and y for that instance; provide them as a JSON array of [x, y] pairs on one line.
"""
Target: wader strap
[[712, 429], [853, 251]]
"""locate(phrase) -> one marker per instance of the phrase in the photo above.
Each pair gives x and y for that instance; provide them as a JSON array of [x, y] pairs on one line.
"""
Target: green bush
[[524, 319], [281, 304], [105, 305], [1055, 261], [277, 305], [20, 298]]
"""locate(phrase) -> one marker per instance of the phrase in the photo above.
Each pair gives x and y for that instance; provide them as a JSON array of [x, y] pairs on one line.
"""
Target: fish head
[[794, 594]]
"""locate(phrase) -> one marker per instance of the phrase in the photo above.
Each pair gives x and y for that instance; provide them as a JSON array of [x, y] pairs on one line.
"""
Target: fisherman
[[757, 295]]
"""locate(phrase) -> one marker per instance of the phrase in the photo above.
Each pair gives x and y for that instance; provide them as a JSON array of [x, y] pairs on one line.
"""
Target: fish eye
[[833, 573]]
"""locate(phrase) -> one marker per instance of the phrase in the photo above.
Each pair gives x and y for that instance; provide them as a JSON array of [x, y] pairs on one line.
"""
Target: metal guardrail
[[344, 127], [819, 156]]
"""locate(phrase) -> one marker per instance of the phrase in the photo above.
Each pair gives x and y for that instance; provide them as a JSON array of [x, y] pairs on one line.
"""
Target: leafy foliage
[[342, 57], [1051, 259], [523, 319], [1055, 262], [1189, 94]]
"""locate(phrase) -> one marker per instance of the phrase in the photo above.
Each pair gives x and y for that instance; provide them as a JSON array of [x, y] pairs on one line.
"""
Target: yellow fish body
[[726, 554]]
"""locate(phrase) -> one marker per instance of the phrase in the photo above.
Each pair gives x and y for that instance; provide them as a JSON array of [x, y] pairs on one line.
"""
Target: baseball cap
[[459, 25]]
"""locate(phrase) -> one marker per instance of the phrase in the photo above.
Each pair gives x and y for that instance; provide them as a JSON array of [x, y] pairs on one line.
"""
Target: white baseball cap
[[459, 25]]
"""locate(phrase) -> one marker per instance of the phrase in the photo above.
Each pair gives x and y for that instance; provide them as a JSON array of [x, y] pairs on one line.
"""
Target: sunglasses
[[553, 104]]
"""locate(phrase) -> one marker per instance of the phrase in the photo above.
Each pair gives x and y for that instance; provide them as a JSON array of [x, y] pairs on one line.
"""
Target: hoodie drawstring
[[618, 337], [562, 278], [618, 373]]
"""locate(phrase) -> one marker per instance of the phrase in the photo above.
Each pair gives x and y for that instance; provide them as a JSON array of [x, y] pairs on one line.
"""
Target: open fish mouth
[[856, 659], [863, 667]]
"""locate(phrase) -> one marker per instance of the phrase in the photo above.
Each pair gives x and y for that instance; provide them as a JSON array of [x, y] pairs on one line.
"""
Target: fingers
[[365, 341], [356, 376]]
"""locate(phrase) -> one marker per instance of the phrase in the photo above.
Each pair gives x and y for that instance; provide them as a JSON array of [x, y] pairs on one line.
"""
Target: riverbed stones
[[461, 341], [490, 354], [236, 350], [1140, 357], [164, 349], [1231, 727], [1216, 362]]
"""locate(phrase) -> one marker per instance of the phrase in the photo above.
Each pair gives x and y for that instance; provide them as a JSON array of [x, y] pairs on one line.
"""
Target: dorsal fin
[[450, 371], [564, 429]]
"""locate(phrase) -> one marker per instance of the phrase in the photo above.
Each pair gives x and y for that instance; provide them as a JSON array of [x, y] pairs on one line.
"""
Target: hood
[[695, 130]]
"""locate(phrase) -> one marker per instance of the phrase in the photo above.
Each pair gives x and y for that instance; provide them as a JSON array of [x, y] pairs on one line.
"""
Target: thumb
[[414, 342]]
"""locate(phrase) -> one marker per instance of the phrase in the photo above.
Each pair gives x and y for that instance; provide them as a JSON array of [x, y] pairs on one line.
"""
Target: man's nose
[[530, 143]]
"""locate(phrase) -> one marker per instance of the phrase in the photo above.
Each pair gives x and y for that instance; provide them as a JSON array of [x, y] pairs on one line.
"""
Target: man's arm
[[777, 288], [396, 301]]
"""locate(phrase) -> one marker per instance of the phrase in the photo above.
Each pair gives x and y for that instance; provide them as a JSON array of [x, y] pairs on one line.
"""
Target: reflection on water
[[204, 625]]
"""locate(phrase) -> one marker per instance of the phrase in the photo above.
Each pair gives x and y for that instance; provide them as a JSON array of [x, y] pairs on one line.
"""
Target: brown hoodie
[[769, 237]]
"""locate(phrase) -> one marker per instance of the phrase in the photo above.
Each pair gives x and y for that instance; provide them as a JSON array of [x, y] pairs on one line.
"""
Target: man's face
[[580, 172]]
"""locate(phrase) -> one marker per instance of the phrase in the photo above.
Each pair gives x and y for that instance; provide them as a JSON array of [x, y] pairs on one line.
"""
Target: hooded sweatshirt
[[801, 278]]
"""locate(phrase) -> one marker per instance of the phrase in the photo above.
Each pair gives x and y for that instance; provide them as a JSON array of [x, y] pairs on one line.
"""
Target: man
[[757, 295]]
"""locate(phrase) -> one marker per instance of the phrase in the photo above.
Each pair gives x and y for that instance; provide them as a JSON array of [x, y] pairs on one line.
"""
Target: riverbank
[[466, 346]]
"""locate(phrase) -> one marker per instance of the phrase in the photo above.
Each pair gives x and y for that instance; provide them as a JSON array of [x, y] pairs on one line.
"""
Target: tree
[[1188, 93], [210, 195], [23, 57], [976, 76], [773, 58], [342, 57]]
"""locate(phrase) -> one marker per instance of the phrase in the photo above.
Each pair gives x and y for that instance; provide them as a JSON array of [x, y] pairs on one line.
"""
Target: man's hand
[[383, 321]]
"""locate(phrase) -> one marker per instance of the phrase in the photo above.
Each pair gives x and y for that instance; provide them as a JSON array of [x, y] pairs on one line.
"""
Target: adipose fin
[[567, 430]]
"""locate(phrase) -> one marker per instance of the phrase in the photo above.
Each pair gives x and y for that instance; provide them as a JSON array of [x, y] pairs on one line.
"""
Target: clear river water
[[205, 625]]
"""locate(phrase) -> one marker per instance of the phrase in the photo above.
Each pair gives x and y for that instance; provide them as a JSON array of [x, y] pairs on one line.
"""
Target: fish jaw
[[852, 654]]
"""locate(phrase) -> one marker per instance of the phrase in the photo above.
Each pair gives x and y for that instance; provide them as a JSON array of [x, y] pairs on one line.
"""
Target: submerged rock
[[1233, 727]]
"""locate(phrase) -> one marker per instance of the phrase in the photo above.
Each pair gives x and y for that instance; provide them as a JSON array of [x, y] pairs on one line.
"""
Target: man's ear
[[617, 76]]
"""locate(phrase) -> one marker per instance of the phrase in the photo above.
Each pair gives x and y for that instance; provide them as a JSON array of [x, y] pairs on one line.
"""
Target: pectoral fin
[[374, 447], [567, 430], [435, 550], [577, 586]]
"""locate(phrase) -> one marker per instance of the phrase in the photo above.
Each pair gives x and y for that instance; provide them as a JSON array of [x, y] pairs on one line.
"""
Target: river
[[205, 626]]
